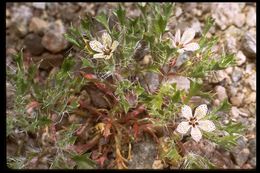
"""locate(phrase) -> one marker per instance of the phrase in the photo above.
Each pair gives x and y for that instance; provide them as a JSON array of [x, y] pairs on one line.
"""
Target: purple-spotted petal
[[106, 39], [187, 36], [201, 111], [206, 125], [191, 47], [99, 55], [196, 134], [96, 46], [183, 127], [186, 112]]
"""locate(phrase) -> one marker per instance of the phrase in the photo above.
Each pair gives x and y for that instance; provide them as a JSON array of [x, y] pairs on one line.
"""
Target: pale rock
[[250, 98], [237, 100], [53, 40], [251, 17], [233, 90], [221, 92], [251, 81], [250, 68], [20, 18], [178, 11], [249, 45], [240, 58], [237, 74], [229, 70], [234, 112], [196, 26], [182, 83], [231, 44], [218, 76], [37, 25], [241, 156], [39, 5], [226, 14]]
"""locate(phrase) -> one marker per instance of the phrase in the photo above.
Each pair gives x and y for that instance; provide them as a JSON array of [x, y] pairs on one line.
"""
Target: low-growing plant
[[131, 62]]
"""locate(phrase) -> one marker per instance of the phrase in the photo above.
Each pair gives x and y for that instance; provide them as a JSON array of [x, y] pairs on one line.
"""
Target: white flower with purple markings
[[105, 48], [183, 43], [195, 123]]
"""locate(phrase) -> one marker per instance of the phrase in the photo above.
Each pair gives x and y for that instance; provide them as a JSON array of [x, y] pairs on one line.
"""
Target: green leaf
[[176, 97], [194, 161], [67, 64], [86, 62], [84, 162], [72, 40], [102, 18], [120, 13]]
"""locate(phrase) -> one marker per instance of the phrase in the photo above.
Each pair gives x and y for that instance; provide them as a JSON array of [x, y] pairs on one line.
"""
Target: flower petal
[[183, 127], [201, 111], [178, 36], [96, 46], [99, 55], [196, 134], [186, 112], [108, 56], [106, 39], [114, 46], [187, 36], [207, 125], [191, 47]]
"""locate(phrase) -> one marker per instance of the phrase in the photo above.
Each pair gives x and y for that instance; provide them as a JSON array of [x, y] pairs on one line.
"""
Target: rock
[[178, 11], [240, 58], [224, 13], [218, 76], [252, 147], [157, 164], [231, 44], [37, 25], [221, 92], [250, 68], [237, 74], [253, 162], [33, 44], [152, 79], [20, 18], [251, 81], [49, 60], [196, 26], [143, 154], [241, 156], [39, 5], [235, 112], [229, 70], [237, 100], [249, 45], [53, 39], [232, 90], [251, 17], [182, 83], [251, 98]]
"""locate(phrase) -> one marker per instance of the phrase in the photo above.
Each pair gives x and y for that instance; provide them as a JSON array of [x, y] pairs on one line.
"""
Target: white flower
[[183, 43], [105, 49], [195, 122]]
